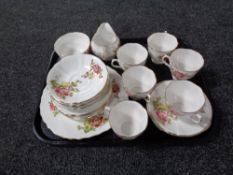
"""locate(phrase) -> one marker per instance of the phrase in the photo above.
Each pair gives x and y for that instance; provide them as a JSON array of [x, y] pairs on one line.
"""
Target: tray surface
[[150, 136]]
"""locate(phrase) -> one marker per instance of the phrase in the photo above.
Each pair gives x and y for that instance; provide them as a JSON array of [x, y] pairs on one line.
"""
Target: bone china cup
[[159, 44], [128, 119], [184, 63], [185, 98], [130, 54], [138, 81], [72, 43]]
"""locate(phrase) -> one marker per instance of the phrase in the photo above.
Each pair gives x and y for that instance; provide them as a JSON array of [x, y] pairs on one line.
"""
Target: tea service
[[84, 97]]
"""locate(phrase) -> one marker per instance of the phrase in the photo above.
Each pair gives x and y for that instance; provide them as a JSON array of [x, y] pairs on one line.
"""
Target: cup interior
[[71, 43], [128, 119], [184, 96], [162, 42], [186, 60], [138, 79], [132, 53]]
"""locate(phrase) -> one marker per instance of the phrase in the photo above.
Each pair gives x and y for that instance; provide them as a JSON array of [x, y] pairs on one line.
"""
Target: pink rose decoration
[[62, 91], [179, 74], [96, 68], [52, 106], [115, 88], [174, 112], [162, 115], [96, 122]]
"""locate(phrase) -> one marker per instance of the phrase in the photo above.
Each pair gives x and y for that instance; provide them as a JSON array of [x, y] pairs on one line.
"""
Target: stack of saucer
[[79, 86]]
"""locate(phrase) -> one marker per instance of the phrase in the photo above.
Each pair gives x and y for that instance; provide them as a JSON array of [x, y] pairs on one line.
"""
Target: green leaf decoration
[[55, 113], [79, 127], [54, 83], [74, 84], [92, 62], [65, 84]]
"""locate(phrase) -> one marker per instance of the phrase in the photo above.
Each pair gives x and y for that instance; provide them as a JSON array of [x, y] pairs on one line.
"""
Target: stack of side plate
[[79, 86]]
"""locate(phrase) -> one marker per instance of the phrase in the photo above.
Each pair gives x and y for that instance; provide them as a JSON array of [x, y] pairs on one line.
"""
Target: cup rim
[[124, 79], [121, 59]]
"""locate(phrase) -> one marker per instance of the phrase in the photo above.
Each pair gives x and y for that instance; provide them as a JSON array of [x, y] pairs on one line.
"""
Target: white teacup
[[138, 81], [130, 54], [184, 63], [72, 43], [160, 44], [128, 119], [186, 99]]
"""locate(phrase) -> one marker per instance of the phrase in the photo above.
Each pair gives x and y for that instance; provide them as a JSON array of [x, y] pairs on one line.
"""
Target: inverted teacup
[[183, 63], [72, 43], [130, 54], [186, 99], [128, 119], [138, 81], [159, 44]]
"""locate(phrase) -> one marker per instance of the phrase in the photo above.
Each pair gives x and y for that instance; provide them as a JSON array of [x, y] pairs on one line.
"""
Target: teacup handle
[[107, 110], [113, 64], [197, 117], [164, 61], [147, 98]]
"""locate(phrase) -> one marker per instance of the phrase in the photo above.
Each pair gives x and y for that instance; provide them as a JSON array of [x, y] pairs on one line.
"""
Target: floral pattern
[[129, 93], [115, 87], [53, 108], [92, 123], [89, 124], [95, 70], [65, 89], [126, 66], [178, 74], [163, 111]]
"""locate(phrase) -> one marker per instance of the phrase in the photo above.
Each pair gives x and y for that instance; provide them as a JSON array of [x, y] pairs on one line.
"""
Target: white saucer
[[70, 129], [77, 78], [180, 126]]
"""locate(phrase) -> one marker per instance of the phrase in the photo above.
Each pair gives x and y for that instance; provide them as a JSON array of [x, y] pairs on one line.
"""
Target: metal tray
[[151, 136]]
